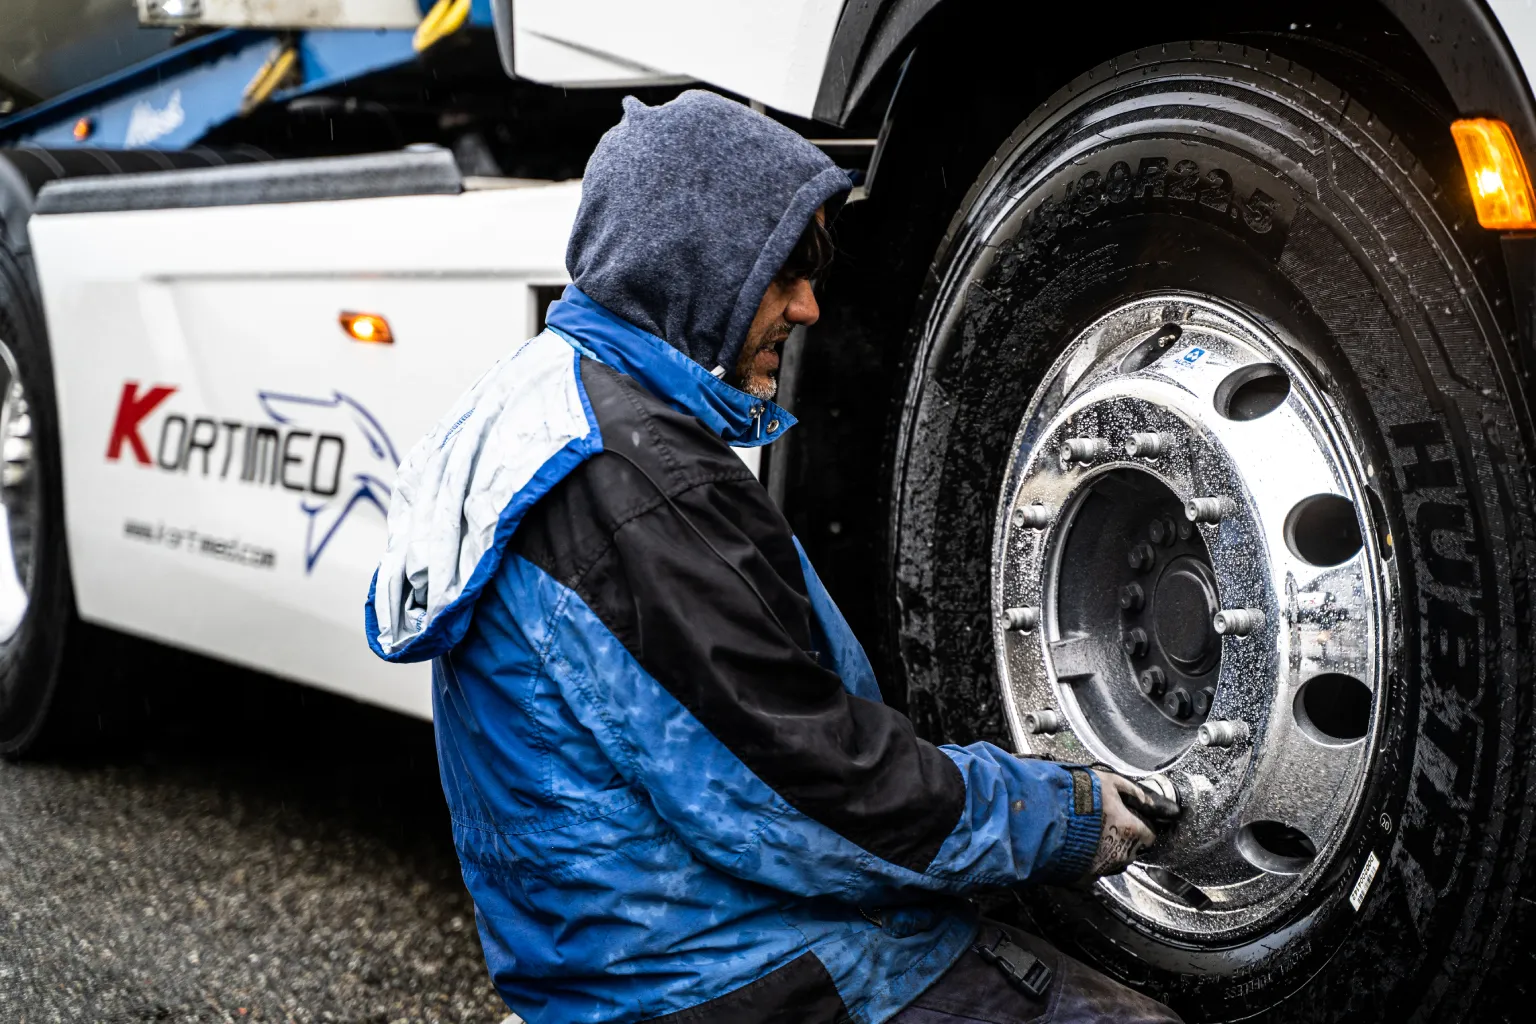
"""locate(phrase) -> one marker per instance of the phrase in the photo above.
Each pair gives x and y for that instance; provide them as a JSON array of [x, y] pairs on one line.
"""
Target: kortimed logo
[[302, 447], [131, 410]]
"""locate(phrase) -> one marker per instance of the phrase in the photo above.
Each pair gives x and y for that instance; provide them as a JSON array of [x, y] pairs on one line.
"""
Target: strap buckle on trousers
[[1024, 971]]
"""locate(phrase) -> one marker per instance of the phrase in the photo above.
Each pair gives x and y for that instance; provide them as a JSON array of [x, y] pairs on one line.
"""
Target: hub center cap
[[1184, 605], [1187, 577]]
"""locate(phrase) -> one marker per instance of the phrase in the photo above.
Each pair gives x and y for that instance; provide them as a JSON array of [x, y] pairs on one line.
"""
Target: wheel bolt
[[1222, 734], [1142, 557], [1147, 446], [1043, 723], [1132, 597], [1135, 643], [1083, 449], [1152, 682], [1237, 621], [1207, 510], [1162, 531], [1034, 516], [1203, 699], [1177, 703], [1022, 620]]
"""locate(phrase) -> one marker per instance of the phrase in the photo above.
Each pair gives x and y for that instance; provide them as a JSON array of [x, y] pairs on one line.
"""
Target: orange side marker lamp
[[84, 129], [367, 327], [1496, 174]]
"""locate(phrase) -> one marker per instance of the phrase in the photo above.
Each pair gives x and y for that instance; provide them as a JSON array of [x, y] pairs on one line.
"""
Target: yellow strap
[[444, 19], [271, 75]]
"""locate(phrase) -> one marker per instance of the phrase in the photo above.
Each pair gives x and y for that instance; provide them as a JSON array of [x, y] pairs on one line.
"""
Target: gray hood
[[688, 210]]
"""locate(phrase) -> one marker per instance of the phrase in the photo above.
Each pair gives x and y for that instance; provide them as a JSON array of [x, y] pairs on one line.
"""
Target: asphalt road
[[233, 848]]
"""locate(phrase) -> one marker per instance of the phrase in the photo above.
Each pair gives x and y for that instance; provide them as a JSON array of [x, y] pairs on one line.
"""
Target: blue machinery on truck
[[171, 101]]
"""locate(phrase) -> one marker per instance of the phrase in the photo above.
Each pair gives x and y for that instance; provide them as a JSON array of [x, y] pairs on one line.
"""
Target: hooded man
[[676, 794]]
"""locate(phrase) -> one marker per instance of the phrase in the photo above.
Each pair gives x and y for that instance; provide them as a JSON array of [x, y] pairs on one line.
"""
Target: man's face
[[788, 303]]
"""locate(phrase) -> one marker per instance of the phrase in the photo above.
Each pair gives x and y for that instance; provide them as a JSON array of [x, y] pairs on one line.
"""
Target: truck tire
[[1215, 241], [36, 603]]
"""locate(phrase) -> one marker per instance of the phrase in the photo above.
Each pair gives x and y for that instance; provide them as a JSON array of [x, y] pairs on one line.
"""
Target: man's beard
[[764, 387], [761, 388]]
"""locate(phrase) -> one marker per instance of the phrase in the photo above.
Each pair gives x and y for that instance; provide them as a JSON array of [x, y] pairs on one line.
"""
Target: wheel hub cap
[[1188, 579]]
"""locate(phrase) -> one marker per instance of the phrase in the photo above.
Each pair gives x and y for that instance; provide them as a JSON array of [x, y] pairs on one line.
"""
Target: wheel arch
[[893, 65], [1461, 39]]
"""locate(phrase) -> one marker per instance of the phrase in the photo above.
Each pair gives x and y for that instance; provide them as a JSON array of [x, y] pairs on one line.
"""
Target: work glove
[[1129, 814]]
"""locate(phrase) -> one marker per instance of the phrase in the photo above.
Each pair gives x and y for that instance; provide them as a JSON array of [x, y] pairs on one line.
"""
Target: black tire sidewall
[[1320, 221], [30, 661]]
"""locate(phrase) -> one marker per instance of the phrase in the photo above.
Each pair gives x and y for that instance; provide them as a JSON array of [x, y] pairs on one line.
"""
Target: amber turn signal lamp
[[369, 327], [1496, 174]]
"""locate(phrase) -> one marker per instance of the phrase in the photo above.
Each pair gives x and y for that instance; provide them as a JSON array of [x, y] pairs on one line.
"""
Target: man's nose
[[803, 309]]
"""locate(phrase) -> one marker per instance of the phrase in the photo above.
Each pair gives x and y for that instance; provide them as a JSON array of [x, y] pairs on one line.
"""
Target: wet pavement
[[233, 848]]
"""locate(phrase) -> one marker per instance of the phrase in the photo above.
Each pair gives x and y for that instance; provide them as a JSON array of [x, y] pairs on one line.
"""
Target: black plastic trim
[[426, 172], [870, 34], [1462, 39]]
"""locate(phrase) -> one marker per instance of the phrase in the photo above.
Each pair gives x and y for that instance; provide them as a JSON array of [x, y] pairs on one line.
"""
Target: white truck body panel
[[772, 51], [282, 13], [1518, 20], [236, 309]]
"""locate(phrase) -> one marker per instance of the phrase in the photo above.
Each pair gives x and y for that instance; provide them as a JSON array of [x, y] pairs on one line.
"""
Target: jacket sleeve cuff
[[1084, 820]]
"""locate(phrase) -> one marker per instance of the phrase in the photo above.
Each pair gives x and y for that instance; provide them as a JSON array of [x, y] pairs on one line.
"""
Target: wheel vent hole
[[1334, 708], [1275, 847], [1252, 391], [1172, 885], [1324, 529]]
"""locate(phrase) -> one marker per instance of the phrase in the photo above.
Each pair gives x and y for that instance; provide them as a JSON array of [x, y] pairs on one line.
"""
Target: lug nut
[[1043, 723], [1022, 620], [1222, 734], [1135, 643], [1207, 510], [1160, 784], [1152, 682], [1237, 621], [1203, 699], [1142, 557], [1177, 703], [1146, 446], [1162, 531], [1132, 597], [1035, 516], [1083, 449]]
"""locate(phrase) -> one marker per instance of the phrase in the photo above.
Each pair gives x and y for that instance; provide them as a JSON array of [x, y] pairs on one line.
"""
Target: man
[[676, 795]]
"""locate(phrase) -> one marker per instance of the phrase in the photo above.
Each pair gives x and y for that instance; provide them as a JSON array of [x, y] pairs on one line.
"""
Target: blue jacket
[[676, 794]]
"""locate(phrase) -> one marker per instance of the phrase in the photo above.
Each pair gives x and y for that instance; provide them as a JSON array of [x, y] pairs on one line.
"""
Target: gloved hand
[[1129, 811]]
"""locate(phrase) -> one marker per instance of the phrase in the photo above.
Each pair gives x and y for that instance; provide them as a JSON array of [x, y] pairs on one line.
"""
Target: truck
[[1170, 409]]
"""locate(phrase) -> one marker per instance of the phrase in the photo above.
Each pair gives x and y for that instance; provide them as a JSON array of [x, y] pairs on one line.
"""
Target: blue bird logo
[[342, 416]]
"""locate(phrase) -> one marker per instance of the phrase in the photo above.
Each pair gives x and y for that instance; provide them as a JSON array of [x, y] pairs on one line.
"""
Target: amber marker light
[[1496, 174], [369, 327], [83, 129]]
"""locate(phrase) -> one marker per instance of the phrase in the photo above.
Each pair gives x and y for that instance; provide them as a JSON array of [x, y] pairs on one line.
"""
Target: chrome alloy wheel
[[1189, 584], [18, 497]]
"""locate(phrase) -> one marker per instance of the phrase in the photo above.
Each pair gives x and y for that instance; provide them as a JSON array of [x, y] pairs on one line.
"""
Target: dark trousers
[[976, 992]]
